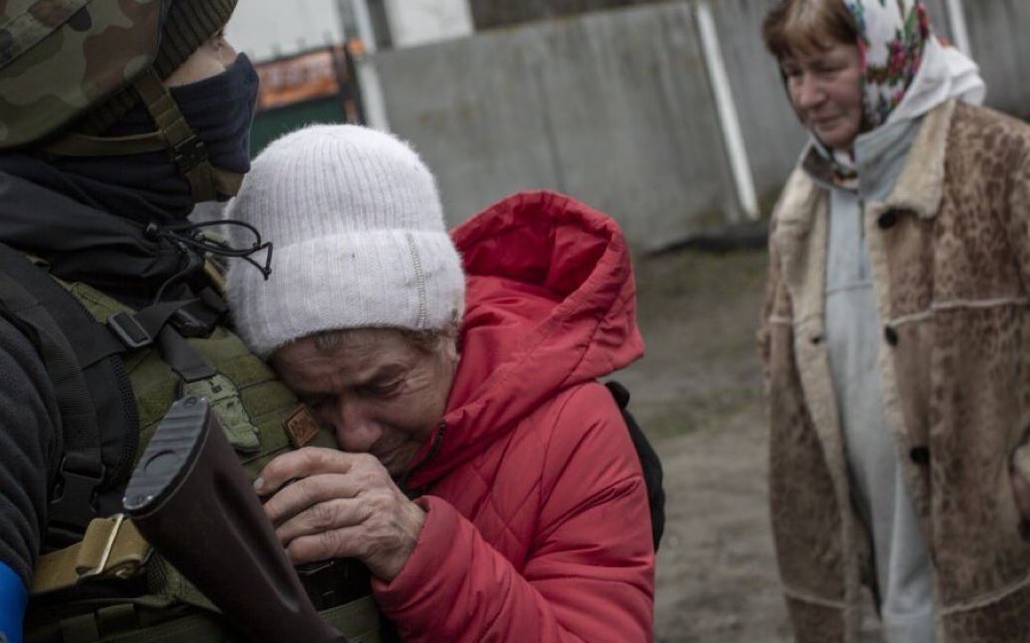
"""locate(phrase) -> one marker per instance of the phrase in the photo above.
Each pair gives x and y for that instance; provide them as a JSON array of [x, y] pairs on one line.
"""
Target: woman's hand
[[326, 503]]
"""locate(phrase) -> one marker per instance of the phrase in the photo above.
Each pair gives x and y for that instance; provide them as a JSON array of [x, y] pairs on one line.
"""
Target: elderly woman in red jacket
[[485, 477]]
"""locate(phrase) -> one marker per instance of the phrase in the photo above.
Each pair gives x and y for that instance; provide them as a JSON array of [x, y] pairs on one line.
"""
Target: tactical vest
[[254, 408]]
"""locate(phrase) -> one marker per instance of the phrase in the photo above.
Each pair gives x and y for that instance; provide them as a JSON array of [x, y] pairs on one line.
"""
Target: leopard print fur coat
[[950, 254]]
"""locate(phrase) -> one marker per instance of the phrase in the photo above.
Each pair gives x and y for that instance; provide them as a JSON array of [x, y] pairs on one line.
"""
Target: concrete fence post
[[368, 77], [729, 121]]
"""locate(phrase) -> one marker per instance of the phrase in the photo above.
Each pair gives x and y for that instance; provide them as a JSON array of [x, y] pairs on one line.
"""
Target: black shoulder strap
[[649, 462], [99, 423]]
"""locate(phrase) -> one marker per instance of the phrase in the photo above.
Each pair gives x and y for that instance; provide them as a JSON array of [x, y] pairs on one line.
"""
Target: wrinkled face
[[210, 59], [825, 89], [379, 392]]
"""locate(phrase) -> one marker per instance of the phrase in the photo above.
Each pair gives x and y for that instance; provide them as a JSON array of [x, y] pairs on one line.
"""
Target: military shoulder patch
[[301, 426]]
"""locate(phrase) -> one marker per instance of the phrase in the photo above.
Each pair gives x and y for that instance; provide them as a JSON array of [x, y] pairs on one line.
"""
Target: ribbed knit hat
[[359, 239]]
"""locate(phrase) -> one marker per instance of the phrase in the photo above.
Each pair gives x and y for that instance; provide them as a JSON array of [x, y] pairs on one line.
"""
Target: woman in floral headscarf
[[896, 334]]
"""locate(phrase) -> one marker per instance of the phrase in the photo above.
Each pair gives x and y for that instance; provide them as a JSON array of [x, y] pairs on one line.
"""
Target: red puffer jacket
[[538, 527]]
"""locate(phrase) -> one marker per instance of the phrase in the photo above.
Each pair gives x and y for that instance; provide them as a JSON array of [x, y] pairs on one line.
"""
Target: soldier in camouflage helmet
[[116, 118], [71, 72]]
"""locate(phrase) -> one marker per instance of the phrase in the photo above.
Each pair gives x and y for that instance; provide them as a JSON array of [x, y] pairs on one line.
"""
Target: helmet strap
[[185, 148]]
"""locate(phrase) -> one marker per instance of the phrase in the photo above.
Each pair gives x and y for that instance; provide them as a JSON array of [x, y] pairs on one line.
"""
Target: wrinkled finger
[[305, 493], [322, 531], [339, 543], [301, 463], [379, 527]]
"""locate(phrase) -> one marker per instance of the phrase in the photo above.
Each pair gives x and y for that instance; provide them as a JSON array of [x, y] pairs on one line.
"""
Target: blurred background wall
[[670, 116]]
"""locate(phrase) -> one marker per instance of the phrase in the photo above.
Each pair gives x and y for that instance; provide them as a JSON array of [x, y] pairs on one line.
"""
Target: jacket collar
[[550, 304], [81, 243], [920, 187]]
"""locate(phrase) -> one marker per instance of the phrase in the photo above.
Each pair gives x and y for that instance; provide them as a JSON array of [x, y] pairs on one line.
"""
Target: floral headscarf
[[892, 36], [907, 71]]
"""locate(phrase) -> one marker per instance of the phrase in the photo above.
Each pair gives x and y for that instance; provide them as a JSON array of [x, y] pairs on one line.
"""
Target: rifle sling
[[111, 548]]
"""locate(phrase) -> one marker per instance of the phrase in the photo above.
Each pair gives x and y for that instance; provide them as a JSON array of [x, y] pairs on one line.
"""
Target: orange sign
[[311, 75]]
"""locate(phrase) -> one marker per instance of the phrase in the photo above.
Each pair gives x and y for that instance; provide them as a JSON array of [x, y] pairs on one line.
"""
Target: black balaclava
[[148, 188]]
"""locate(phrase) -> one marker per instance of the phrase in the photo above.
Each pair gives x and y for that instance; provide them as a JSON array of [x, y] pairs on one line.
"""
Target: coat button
[[890, 335], [920, 455], [887, 219]]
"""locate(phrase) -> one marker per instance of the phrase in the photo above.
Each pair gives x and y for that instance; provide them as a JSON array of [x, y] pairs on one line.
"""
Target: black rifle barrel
[[191, 500]]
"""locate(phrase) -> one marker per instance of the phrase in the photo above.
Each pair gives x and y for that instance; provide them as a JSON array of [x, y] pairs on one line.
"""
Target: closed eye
[[380, 389]]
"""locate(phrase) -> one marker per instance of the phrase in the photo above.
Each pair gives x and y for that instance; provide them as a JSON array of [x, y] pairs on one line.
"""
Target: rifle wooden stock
[[190, 499]]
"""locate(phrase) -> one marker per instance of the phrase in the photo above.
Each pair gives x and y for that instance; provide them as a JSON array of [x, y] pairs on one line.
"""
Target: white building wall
[[268, 29], [419, 22]]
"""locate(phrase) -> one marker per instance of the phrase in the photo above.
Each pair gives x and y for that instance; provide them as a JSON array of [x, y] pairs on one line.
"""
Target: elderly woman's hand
[[339, 505]]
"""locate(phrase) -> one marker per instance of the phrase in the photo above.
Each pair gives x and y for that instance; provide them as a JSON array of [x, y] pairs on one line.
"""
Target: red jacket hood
[[551, 303]]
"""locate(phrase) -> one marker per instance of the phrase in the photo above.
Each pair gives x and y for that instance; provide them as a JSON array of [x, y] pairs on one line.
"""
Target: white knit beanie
[[358, 239]]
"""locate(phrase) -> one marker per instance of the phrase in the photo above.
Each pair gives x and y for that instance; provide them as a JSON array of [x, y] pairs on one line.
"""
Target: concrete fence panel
[[616, 108], [998, 36], [613, 108]]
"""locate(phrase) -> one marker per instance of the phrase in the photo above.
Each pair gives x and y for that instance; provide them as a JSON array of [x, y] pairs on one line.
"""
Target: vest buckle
[[129, 331]]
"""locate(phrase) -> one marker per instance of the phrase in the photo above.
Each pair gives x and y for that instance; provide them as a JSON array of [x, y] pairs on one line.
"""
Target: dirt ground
[[697, 393]]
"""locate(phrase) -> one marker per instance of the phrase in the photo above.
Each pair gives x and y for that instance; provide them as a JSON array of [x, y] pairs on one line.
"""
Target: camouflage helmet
[[65, 62]]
